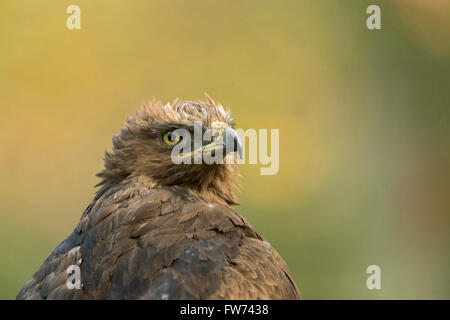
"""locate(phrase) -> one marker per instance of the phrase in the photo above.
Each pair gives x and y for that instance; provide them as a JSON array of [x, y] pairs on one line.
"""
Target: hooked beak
[[226, 141], [232, 142]]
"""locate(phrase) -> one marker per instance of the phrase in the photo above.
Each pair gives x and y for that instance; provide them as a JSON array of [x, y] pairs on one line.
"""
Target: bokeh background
[[363, 116]]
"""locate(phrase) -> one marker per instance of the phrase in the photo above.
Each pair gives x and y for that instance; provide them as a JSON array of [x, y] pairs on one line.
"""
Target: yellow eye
[[171, 138]]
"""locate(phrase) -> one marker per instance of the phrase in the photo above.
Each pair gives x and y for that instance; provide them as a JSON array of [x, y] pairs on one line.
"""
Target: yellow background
[[363, 118]]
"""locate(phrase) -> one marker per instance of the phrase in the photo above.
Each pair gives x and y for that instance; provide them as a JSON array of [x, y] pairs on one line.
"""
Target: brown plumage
[[156, 230]]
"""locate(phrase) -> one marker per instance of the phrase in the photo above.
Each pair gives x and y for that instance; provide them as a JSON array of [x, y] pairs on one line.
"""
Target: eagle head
[[153, 143]]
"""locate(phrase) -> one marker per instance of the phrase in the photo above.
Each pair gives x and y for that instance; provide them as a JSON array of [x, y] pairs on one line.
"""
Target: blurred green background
[[363, 116]]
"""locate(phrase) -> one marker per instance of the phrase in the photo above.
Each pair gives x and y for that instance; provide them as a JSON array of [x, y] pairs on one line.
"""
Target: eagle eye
[[171, 138]]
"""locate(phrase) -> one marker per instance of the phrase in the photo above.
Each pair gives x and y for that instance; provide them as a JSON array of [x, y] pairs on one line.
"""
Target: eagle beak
[[232, 142], [227, 140]]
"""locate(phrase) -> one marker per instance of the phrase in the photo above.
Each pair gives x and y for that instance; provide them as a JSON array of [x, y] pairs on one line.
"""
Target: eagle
[[161, 230]]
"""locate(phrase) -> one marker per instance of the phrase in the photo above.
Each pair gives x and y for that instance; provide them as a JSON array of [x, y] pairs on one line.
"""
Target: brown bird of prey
[[160, 230]]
